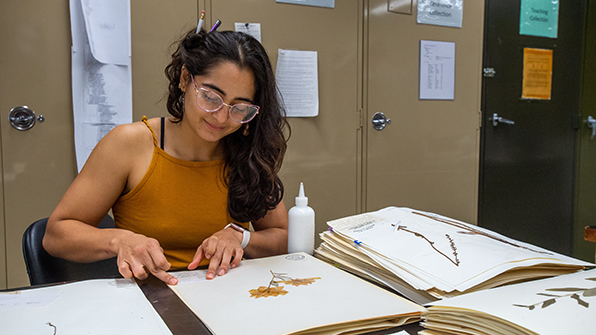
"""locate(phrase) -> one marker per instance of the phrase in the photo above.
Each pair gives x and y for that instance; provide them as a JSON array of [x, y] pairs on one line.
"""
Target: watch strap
[[245, 233]]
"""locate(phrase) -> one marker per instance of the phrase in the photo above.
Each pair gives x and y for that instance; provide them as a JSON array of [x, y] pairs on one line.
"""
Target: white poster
[[101, 70], [441, 12], [298, 82], [315, 3], [252, 29], [437, 70]]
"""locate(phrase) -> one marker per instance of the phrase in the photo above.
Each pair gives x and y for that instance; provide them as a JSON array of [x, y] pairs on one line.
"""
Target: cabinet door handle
[[496, 119]]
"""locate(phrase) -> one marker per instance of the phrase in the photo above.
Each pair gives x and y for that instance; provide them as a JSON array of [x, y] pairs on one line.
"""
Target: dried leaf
[[590, 293], [548, 302], [264, 292], [549, 295], [524, 306], [580, 301], [299, 282], [566, 289]]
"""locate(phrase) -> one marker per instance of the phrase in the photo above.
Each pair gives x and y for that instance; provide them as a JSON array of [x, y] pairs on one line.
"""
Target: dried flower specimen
[[274, 290], [473, 231], [298, 282], [432, 244], [264, 292]]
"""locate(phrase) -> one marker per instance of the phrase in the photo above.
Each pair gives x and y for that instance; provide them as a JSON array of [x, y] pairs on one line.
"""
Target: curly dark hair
[[252, 162]]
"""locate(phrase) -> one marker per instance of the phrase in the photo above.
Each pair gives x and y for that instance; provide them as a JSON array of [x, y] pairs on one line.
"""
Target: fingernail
[[173, 281], [210, 275], [222, 272]]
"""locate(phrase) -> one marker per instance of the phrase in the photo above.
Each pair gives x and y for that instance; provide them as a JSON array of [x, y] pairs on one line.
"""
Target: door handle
[[380, 121], [496, 119], [592, 124], [23, 118]]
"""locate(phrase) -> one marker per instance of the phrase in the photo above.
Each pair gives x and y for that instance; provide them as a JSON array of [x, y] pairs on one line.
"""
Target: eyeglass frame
[[222, 102]]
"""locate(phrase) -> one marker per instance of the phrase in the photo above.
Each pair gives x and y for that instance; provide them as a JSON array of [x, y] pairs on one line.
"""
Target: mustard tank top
[[179, 203]]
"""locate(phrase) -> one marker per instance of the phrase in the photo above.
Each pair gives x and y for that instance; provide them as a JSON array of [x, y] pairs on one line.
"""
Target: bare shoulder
[[130, 134], [122, 146]]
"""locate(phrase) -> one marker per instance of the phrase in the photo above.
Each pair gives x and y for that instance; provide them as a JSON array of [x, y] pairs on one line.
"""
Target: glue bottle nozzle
[[301, 199]]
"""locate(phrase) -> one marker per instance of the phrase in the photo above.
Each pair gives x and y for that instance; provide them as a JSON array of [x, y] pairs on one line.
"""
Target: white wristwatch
[[245, 233]]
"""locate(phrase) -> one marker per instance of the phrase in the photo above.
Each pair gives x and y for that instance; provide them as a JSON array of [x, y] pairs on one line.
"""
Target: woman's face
[[232, 84]]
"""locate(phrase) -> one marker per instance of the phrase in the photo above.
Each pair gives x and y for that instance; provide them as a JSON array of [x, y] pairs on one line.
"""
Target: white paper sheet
[[298, 82], [101, 70], [562, 305], [441, 12], [315, 3], [437, 70], [103, 306], [325, 296], [252, 29]]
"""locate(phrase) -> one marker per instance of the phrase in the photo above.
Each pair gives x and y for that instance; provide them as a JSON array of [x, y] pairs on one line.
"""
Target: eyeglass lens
[[210, 101]]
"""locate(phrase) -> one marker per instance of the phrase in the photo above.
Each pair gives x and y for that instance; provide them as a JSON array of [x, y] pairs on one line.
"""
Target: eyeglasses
[[210, 101]]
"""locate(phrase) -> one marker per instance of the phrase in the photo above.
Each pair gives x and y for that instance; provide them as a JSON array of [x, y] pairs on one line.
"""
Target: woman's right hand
[[139, 255]]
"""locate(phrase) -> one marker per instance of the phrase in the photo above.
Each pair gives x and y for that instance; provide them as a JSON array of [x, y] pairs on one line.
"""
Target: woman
[[176, 184]]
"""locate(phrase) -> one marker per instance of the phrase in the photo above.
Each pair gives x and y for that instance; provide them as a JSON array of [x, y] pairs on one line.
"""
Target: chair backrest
[[43, 268]]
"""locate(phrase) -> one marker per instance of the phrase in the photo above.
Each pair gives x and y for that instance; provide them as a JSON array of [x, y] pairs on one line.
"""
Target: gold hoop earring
[[245, 132]]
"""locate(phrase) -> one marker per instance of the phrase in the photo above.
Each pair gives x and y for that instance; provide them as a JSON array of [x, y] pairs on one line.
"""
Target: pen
[[215, 26], [200, 25]]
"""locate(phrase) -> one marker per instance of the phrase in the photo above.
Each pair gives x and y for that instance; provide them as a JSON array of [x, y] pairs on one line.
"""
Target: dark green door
[[586, 176], [527, 168]]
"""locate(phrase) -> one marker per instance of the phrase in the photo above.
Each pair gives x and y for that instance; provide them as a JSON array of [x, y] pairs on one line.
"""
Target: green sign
[[539, 18]]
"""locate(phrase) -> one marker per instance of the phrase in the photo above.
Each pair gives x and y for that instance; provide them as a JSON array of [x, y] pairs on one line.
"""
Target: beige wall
[[334, 154], [39, 164], [323, 150]]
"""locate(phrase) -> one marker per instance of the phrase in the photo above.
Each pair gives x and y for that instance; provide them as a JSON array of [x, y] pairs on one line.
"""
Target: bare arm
[[223, 248], [112, 168], [271, 234]]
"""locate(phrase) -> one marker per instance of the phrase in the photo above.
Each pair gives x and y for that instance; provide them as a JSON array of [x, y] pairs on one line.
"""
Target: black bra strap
[[162, 132]]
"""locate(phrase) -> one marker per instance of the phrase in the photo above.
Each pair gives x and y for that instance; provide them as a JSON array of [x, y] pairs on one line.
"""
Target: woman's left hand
[[223, 251]]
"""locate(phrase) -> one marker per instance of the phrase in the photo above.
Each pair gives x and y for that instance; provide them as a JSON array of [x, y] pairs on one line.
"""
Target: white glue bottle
[[301, 225]]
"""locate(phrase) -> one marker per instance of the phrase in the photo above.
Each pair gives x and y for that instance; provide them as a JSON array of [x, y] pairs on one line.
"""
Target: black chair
[[43, 268]]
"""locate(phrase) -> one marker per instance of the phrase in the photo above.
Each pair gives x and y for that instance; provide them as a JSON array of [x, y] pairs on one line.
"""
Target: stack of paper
[[291, 294], [427, 257], [560, 305], [99, 306]]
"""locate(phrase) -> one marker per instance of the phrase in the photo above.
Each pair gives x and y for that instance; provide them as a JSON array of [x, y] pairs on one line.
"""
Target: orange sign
[[538, 74]]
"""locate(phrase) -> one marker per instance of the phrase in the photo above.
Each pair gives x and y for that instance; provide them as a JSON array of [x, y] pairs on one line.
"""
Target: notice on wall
[[252, 29], [437, 70], [441, 12], [298, 81], [539, 18], [538, 72], [101, 70], [315, 3]]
